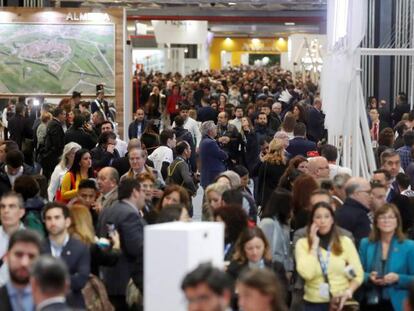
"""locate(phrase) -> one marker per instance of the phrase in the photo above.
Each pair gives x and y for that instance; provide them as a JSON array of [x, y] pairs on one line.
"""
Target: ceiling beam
[[233, 19]]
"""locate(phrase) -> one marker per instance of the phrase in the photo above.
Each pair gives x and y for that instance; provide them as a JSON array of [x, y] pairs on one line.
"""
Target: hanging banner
[[180, 32]]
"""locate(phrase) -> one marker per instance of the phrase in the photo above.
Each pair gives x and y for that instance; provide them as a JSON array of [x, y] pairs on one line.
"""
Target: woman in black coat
[[271, 170], [249, 145]]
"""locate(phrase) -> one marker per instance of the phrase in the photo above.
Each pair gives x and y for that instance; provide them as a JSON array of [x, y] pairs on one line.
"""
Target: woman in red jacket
[[173, 101]]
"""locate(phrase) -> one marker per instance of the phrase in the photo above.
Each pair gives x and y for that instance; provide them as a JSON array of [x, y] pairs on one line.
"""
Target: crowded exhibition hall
[[255, 155]]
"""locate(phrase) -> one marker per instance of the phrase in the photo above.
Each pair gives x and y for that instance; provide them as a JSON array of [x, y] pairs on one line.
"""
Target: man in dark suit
[[108, 179], [54, 142], [11, 169], [354, 213], [126, 216], [19, 126], [100, 104], [105, 153], [212, 157], [72, 251], [299, 145], [376, 124], [122, 164], [137, 127], [316, 120], [50, 280], [23, 250]]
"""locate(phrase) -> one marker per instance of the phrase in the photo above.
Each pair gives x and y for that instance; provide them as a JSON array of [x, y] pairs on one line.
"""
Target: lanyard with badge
[[324, 290]]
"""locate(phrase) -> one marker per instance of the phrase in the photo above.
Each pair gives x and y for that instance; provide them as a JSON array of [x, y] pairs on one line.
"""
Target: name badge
[[324, 290]]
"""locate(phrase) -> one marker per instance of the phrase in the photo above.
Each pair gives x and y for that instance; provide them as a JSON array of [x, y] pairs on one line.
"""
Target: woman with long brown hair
[[302, 190], [252, 250], [173, 194], [328, 262]]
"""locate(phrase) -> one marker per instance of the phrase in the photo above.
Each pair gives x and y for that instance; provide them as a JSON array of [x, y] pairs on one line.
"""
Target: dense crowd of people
[[302, 232]]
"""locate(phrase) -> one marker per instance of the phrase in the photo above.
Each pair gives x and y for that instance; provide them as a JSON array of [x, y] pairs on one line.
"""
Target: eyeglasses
[[366, 191], [384, 218]]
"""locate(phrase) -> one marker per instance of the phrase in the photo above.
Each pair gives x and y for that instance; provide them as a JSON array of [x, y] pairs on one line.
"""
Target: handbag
[[58, 195]]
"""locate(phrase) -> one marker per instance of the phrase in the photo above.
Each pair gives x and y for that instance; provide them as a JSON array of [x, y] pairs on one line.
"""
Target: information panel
[[56, 58]]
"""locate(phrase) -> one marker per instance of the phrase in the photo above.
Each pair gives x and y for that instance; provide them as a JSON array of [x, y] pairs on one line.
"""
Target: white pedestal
[[172, 250]]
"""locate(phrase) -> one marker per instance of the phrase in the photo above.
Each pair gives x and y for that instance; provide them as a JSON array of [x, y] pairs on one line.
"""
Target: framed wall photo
[[56, 58]]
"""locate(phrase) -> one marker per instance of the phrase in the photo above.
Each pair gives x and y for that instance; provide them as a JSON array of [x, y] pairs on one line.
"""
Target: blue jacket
[[400, 261], [300, 146], [212, 160]]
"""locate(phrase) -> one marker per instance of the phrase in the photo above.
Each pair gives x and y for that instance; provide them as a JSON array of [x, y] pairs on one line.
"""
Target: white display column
[[172, 250]]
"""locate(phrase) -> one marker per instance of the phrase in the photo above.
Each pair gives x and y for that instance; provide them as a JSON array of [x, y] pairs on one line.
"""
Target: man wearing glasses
[[354, 215]]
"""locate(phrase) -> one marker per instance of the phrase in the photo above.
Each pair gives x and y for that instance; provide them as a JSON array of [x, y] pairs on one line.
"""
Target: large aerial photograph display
[[56, 59]]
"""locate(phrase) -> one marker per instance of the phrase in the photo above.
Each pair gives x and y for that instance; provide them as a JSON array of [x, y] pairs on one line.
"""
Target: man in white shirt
[[238, 115], [330, 152], [163, 155], [190, 124], [11, 213]]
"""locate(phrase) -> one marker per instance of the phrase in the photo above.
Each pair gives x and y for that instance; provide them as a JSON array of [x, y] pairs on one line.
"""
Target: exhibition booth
[[49, 53]]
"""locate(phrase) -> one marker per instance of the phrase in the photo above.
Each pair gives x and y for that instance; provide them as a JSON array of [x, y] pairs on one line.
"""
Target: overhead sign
[[88, 17], [180, 32]]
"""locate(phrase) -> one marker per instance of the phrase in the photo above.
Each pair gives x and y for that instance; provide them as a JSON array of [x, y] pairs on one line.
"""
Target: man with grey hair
[[212, 157], [355, 215], [276, 109], [122, 164], [318, 168], [108, 180], [50, 282], [283, 136], [339, 194]]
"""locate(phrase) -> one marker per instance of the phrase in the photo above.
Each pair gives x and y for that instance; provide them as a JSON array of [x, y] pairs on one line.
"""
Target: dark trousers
[[316, 306], [384, 305], [119, 302]]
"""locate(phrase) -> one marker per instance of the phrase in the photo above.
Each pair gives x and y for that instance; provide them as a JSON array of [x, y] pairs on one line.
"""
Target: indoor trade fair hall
[[207, 155]]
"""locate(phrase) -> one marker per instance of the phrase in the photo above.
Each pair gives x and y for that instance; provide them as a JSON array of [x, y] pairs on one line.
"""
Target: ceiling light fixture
[[290, 24], [232, 3]]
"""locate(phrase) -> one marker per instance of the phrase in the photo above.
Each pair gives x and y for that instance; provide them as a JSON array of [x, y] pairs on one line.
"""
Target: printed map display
[[56, 59]]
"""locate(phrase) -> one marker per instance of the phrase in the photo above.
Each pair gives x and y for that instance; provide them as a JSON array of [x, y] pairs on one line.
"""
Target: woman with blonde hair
[[271, 170], [213, 201], [66, 161], [387, 258], [104, 252]]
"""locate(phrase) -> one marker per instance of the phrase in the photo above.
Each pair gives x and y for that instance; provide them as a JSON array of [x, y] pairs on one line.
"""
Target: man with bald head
[[355, 215], [318, 168]]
